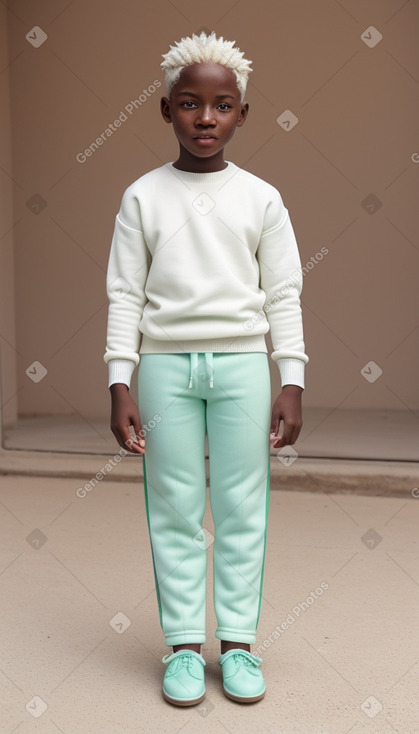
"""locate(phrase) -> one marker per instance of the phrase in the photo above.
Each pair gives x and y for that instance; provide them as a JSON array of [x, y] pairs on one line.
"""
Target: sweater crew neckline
[[202, 178]]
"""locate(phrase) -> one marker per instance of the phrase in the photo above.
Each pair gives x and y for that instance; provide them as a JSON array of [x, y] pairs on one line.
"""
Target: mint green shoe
[[183, 682], [242, 679]]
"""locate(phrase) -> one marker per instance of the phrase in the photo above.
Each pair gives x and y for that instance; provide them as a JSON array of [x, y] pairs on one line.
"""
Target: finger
[[139, 433], [137, 439], [137, 445], [128, 442], [289, 436], [278, 437], [286, 438], [275, 421], [140, 440], [294, 433], [280, 443]]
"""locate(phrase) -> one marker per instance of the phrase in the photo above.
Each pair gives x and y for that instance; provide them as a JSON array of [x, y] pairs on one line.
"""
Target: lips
[[205, 137]]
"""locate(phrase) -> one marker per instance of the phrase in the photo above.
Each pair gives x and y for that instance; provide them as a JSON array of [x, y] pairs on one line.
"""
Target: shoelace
[[238, 657], [181, 661]]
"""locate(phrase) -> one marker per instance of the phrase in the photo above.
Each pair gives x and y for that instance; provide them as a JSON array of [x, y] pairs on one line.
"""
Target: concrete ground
[[81, 644], [332, 433]]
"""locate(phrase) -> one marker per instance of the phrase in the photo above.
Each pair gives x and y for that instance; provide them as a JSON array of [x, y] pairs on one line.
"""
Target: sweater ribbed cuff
[[292, 371], [120, 370]]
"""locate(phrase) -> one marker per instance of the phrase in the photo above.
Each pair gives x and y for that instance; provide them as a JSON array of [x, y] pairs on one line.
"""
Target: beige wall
[[9, 350], [356, 135]]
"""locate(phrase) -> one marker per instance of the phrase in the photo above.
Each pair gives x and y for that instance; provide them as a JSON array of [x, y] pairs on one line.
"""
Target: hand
[[125, 414], [287, 407]]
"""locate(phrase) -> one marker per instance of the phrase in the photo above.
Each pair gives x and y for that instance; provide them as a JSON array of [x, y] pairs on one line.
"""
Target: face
[[205, 109]]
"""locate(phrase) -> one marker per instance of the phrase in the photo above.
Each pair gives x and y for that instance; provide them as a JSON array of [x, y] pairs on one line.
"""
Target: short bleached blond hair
[[197, 49]]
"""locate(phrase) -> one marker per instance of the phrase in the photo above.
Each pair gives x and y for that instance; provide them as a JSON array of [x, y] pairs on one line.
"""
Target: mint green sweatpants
[[181, 398]]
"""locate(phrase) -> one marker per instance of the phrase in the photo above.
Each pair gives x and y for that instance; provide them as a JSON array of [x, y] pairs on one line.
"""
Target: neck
[[189, 162]]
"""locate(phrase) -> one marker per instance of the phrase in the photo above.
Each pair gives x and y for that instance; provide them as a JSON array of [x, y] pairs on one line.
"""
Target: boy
[[203, 262]]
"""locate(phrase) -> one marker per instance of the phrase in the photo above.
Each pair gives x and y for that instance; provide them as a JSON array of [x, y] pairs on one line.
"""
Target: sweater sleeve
[[128, 265], [281, 279]]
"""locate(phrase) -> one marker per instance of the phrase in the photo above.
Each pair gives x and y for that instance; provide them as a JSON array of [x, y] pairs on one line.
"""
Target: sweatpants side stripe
[[151, 544], [264, 540]]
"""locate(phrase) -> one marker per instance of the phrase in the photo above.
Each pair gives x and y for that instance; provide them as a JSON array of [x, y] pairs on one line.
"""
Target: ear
[[243, 114], [165, 109]]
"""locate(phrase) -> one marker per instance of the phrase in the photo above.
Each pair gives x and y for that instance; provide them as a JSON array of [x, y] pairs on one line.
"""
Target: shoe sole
[[244, 699], [183, 702]]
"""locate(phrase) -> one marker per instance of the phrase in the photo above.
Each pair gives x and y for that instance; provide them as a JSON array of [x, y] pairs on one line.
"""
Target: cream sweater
[[203, 262]]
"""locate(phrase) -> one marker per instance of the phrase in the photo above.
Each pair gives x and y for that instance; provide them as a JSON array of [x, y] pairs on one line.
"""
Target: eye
[[190, 105]]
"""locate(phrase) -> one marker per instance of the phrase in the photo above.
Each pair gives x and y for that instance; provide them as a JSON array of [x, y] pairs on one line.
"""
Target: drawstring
[[209, 361], [194, 364]]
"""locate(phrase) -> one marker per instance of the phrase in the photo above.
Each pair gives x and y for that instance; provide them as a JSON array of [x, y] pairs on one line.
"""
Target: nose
[[206, 116]]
